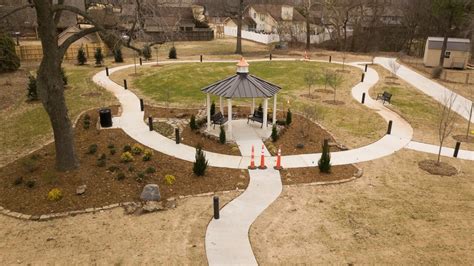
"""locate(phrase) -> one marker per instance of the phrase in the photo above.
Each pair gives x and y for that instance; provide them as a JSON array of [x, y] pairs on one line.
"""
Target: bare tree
[[306, 9], [335, 80], [310, 78], [446, 120], [310, 113]]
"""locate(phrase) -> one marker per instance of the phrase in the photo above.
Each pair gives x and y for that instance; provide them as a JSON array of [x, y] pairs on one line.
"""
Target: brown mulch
[[334, 102], [292, 136], [464, 138], [195, 138], [163, 112], [102, 186], [312, 174], [432, 167], [328, 91]]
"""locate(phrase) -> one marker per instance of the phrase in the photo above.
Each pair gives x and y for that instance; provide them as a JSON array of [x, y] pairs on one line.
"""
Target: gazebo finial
[[242, 66]]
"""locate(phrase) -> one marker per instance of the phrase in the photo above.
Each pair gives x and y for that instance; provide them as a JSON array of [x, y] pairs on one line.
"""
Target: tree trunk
[[443, 51], [51, 89], [238, 48], [308, 33]]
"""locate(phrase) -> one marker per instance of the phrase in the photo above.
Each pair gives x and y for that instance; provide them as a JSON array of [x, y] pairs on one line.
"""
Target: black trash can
[[105, 117]]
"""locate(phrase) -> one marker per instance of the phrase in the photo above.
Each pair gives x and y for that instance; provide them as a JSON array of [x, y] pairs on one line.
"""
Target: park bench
[[257, 116], [385, 96], [218, 119]]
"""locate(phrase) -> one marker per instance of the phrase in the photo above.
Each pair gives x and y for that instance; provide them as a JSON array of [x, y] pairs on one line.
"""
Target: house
[[276, 18], [88, 39], [457, 54]]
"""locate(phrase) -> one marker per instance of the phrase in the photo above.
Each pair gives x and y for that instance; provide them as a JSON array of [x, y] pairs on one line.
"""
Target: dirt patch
[[103, 186], [334, 102], [291, 137], [432, 167], [310, 96], [464, 138], [312, 174], [324, 91], [195, 138]]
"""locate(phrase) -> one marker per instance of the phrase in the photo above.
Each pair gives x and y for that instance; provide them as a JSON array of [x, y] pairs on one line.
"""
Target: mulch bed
[[312, 96], [162, 112], [292, 136], [328, 91], [464, 138], [432, 167], [312, 174], [103, 188], [334, 102], [195, 138]]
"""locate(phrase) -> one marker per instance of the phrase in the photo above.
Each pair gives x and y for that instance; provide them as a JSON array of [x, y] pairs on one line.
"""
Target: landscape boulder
[[151, 192]]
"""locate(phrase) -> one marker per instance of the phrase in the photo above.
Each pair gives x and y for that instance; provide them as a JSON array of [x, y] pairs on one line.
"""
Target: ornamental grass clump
[[169, 179], [137, 149], [55, 194], [147, 154], [126, 157]]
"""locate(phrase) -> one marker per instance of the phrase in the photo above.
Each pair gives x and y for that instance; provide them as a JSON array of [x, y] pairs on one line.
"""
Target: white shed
[[457, 53]]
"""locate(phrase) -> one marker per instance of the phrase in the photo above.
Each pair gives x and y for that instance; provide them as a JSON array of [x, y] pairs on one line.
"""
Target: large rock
[[151, 192]]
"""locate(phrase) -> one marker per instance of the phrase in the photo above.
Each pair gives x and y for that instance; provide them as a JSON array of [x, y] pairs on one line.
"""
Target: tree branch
[[59, 8], [15, 10], [65, 45], [57, 16]]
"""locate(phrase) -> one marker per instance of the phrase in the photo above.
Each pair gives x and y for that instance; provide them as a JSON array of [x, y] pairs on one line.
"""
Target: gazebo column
[[253, 106], [229, 120], [208, 111], [274, 108], [265, 112], [221, 105]]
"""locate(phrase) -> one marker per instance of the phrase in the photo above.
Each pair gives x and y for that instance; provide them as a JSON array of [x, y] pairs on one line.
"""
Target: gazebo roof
[[242, 85]]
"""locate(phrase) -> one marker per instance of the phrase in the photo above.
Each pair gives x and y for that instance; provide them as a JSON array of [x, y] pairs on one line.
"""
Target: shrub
[[102, 160], [146, 51], [92, 149], [137, 149], [325, 162], [126, 157], [200, 165], [222, 135], [99, 57], [112, 151], [274, 133], [173, 53], [63, 75], [170, 179], [288, 117], [126, 148], [147, 154], [32, 94], [213, 108], [118, 55], [30, 183], [150, 170], [140, 177], [55, 194], [10, 61], [29, 165], [120, 176], [192, 123], [18, 181], [81, 56], [436, 73], [86, 122], [112, 168]]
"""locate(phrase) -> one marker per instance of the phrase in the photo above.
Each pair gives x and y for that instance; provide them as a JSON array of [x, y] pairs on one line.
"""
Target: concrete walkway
[[434, 149]]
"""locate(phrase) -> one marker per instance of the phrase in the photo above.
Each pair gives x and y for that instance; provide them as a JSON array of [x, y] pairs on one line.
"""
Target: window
[[447, 54]]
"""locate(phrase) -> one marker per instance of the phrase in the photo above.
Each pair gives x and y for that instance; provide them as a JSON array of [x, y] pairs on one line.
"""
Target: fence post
[[107, 71], [330, 59], [456, 149], [363, 97], [141, 62], [150, 123], [200, 58], [270, 57], [365, 68], [362, 78], [216, 207], [176, 133], [142, 106], [389, 130], [125, 84]]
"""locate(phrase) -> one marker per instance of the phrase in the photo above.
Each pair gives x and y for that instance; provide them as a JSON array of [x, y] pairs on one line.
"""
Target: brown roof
[[161, 18], [275, 11]]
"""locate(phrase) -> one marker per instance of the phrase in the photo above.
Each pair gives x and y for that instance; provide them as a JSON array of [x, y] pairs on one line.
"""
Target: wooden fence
[[35, 52]]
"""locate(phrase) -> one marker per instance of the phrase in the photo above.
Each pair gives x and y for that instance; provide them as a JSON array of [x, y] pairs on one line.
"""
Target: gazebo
[[241, 85]]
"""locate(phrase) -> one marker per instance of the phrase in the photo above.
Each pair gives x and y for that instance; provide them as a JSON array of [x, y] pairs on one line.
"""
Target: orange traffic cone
[[252, 161], [262, 159], [278, 164]]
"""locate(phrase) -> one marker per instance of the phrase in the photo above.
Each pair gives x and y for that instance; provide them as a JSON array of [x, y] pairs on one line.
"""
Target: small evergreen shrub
[[118, 55], [30, 183], [325, 162], [146, 51], [112, 151], [274, 133], [137, 149], [288, 117], [173, 53], [18, 181], [169, 179], [147, 154], [140, 177], [120, 176], [81, 56], [55, 194], [92, 149], [126, 148], [200, 164], [99, 57], [64, 77], [9, 60], [32, 94], [192, 123], [213, 108], [126, 157], [222, 135], [150, 170]]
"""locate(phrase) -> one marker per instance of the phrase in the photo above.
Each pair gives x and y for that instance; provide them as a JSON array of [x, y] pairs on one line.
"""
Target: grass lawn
[[25, 126], [420, 110], [352, 124]]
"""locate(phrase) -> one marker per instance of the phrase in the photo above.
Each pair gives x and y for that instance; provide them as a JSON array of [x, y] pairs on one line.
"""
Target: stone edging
[[47, 217]]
